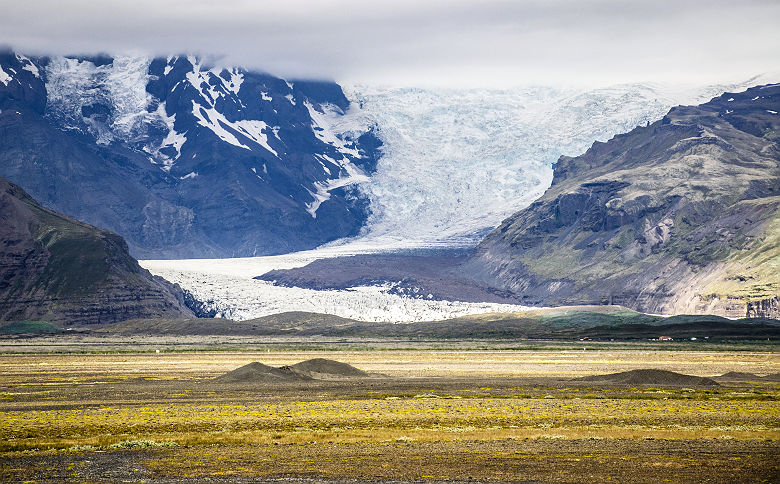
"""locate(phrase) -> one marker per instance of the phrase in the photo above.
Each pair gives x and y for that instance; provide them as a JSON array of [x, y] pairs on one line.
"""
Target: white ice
[[455, 163], [229, 283]]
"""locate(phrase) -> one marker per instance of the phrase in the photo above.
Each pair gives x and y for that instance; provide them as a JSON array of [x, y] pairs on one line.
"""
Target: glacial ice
[[455, 163], [72, 84], [228, 285]]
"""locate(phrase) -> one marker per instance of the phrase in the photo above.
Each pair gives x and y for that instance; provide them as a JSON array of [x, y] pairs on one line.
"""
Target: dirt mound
[[742, 376], [258, 372], [316, 369], [738, 376], [323, 366], [652, 377]]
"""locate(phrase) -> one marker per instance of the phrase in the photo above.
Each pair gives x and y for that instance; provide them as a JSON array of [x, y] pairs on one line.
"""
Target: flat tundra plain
[[423, 415]]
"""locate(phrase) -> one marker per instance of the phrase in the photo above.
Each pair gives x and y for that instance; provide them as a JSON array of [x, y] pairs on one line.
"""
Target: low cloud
[[404, 42]]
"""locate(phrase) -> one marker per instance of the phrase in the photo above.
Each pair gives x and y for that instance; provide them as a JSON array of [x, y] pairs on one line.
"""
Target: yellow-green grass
[[438, 415]]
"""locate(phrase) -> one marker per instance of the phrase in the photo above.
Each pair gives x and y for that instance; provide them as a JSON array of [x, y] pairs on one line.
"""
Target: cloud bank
[[487, 43]]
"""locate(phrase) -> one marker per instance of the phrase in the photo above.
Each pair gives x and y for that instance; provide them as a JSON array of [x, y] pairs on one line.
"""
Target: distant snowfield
[[236, 295]]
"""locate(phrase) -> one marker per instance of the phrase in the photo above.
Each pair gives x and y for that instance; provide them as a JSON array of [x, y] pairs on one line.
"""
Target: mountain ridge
[[678, 216], [57, 269], [182, 158]]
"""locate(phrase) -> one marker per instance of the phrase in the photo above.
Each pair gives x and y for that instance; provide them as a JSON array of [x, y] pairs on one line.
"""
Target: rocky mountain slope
[[680, 216], [63, 271], [185, 159]]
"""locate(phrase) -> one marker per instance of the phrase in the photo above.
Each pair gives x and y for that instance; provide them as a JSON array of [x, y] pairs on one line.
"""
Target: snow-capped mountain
[[183, 158], [187, 159]]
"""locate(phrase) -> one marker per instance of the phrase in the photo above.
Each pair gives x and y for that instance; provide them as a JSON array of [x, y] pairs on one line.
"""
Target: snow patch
[[169, 65], [265, 97], [172, 139], [5, 78], [227, 130], [290, 98], [217, 123], [28, 65], [331, 126], [253, 130], [235, 80], [188, 176], [352, 176], [771, 112]]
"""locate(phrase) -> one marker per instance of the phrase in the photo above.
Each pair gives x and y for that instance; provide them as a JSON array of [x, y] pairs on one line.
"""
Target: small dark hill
[[258, 372], [738, 376], [315, 369], [743, 376], [329, 368], [67, 273], [651, 377]]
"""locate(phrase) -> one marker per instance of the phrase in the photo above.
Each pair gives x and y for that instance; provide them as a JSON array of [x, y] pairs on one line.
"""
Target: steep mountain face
[[680, 216], [57, 269], [185, 159]]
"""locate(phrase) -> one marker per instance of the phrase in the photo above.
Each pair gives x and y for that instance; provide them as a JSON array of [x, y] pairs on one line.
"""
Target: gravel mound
[[328, 367], [316, 369], [743, 376], [258, 372], [652, 377]]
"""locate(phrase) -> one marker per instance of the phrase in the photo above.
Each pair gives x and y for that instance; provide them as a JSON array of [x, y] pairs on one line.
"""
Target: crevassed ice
[[72, 84], [228, 285], [455, 163]]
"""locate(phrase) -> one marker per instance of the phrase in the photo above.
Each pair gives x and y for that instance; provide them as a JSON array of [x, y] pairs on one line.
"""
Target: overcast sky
[[424, 42]]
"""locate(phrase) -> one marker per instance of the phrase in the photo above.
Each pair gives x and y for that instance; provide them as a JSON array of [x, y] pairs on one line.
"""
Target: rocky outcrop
[[680, 216], [60, 270], [764, 308]]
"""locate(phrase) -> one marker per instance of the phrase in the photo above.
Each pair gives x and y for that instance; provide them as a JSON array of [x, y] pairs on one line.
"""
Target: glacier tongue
[[227, 285], [457, 162]]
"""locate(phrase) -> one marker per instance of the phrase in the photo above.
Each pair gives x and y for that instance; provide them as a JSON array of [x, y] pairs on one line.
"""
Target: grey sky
[[424, 42]]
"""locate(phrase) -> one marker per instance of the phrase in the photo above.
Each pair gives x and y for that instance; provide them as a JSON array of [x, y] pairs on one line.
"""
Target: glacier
[[227, 286], [454, 164]]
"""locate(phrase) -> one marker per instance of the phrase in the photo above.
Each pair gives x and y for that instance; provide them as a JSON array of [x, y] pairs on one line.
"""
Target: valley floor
[[472, 413]]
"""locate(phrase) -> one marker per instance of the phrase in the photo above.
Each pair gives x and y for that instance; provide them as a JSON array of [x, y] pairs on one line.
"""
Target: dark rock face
[[185, 159], [681, 216], [63, 271]]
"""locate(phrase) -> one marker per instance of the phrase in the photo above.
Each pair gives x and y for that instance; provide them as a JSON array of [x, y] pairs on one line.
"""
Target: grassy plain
[[448, 415]]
